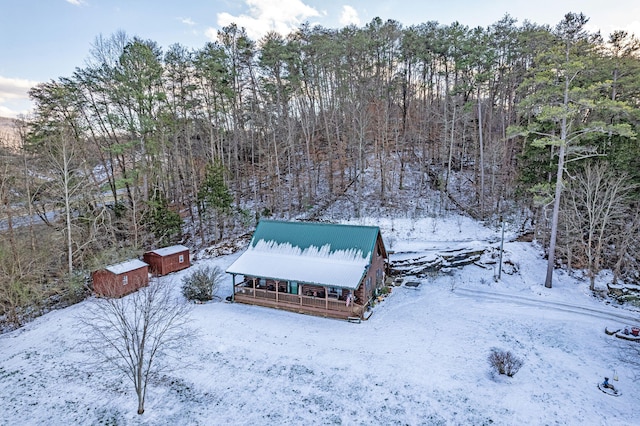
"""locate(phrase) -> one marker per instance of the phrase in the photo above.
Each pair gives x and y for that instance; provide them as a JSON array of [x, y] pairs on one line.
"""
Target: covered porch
[[311, 299]]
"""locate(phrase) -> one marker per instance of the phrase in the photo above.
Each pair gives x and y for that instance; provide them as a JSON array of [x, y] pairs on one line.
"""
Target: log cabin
[[330, 270]]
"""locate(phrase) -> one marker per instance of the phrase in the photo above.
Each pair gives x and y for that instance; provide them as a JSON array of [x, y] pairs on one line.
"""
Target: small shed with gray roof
[[121, 279], [165, 260]]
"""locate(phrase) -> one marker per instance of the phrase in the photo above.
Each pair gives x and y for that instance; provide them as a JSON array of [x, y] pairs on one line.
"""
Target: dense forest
[[145, 146]]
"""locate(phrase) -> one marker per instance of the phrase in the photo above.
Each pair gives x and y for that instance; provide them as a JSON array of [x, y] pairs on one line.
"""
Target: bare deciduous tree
[[130, 333], [598, 200]]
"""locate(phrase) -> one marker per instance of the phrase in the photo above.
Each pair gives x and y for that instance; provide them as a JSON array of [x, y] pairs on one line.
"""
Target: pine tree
[[565, 107]]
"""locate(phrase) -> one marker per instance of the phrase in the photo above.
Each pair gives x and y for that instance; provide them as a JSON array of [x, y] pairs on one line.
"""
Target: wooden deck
[[325, 307]]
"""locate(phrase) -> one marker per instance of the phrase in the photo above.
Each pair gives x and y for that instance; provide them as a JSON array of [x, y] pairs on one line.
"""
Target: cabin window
[[181, 258], [378, 277], [125, 280], [334, 292], [367, 284]]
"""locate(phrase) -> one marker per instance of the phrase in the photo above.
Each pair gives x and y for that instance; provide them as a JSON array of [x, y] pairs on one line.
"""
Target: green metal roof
[[306, 234]]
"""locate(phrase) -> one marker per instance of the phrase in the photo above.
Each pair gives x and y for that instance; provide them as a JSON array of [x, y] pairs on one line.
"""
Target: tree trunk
[[481, 148], [556, 209], [556, 202]]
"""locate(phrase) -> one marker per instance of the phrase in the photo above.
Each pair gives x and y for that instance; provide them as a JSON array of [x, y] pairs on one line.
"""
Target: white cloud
[[211, 34], [6, 112], [76, 2], [349, 16], [14, 96], [14, 88], [187, 21], [282, 16], [633, 28]]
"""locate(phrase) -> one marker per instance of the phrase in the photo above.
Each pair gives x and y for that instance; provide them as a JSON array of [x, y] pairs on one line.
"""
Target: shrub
[[75, 289], [202, 284], [504, 362]]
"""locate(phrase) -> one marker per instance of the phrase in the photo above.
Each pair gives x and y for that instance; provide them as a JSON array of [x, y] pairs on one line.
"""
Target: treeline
[[142, 147]]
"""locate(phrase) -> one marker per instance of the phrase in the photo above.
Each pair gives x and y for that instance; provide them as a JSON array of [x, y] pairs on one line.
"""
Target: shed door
[[293, 287]]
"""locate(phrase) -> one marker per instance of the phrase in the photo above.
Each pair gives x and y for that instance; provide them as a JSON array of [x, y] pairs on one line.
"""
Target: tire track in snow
[[546, 304]]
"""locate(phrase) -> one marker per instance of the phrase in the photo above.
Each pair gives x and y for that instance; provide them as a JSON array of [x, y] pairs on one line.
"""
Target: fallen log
[[630, 337], [611, 332]]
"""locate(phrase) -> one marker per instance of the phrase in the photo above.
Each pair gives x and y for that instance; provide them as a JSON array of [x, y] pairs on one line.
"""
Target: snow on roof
[[307, 234], [129, 265], [167, 251], [313, 265]]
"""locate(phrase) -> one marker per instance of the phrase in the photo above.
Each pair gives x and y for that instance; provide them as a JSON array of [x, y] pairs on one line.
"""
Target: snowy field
[[421, 359]]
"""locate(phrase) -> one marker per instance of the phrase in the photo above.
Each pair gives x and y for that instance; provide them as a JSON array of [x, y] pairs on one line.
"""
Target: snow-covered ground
[[421, 358]]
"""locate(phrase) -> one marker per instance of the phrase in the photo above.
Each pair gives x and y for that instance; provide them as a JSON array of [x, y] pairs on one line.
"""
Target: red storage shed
[[121, 279], [168, 259]]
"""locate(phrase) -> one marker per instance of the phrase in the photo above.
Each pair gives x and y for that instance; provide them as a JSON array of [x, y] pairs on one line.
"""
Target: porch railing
[[297, 302]]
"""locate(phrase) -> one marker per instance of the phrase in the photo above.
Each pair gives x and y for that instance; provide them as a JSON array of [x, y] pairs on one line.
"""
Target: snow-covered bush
[[504, 362], [202, 284]]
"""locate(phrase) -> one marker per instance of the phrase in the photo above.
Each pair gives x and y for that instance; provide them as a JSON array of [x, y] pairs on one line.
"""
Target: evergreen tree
[[566, 107], [214, 195], [165, 224]]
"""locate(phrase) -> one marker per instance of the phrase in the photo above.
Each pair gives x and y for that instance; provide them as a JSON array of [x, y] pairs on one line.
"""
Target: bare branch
[[129, 333]]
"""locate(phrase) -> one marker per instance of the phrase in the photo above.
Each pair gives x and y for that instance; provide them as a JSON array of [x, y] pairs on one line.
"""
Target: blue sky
[[41, 40]]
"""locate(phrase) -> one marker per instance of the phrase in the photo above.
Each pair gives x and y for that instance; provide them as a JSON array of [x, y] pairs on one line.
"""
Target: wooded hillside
[[145, 146]]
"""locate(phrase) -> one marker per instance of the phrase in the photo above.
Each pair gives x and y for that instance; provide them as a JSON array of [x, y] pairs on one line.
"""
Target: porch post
[[326, 298], [254, 287], [233, 289], [277, 293]]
